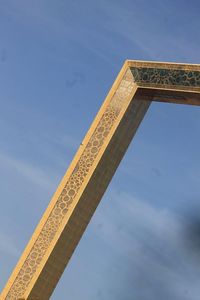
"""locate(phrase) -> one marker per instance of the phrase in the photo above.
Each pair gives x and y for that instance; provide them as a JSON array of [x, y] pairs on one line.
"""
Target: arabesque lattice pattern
[[71, 189], [161, 76], [109, 135]]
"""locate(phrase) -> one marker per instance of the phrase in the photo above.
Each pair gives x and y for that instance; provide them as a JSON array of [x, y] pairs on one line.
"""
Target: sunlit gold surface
[[81, 189]]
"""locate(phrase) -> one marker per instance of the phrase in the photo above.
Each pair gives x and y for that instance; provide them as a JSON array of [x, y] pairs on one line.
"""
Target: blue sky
[[58, 60]]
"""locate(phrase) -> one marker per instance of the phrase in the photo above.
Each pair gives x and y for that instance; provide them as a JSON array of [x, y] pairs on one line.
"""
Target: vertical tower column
[[80, 191]]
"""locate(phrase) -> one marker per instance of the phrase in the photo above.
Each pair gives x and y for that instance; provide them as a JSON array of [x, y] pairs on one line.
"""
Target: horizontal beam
[[168, 96]]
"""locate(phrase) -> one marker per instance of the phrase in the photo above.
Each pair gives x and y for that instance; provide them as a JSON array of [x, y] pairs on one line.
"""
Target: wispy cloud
[[75, 79], [50, 19], [8, 245], [152, 242], [30, 172]]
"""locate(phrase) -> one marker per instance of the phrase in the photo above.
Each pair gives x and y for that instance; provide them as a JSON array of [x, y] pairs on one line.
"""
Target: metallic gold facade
[[80, 191]]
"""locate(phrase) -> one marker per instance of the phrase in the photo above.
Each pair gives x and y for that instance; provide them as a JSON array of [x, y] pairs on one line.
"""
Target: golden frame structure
[[82, 187]]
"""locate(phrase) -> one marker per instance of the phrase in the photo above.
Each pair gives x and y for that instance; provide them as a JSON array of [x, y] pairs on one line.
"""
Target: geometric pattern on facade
[[81, 189]]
